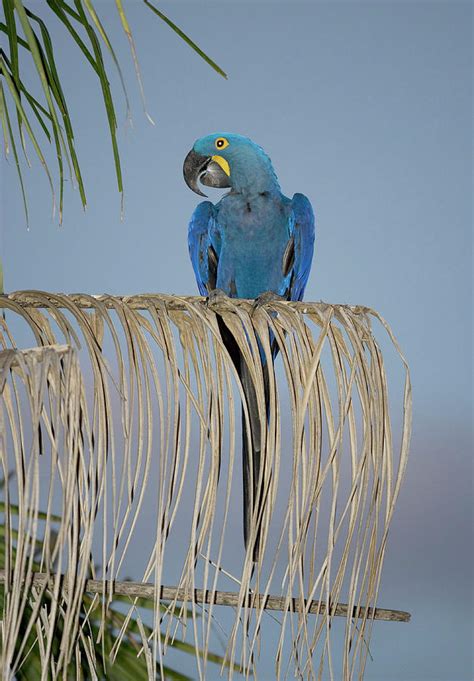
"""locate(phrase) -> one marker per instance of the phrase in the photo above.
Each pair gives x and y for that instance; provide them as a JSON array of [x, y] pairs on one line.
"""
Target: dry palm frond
[[139, 454]]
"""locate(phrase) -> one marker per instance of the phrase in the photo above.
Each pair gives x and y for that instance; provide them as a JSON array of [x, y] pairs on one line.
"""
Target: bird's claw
[[216, 296], [267, 297]]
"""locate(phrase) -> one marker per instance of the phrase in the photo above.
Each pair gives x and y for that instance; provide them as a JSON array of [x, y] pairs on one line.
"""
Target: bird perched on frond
[[254, 243]]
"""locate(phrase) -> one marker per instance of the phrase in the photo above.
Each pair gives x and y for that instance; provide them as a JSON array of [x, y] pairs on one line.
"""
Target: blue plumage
[[253, 241]]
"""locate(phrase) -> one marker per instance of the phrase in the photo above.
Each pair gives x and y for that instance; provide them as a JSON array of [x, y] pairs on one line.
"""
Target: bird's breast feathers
[[259, 216]]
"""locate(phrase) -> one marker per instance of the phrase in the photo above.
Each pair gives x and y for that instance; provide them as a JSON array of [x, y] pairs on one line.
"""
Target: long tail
[[255, 486], [253, 478]]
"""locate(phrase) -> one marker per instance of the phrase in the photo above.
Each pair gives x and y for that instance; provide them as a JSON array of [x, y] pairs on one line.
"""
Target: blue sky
[[367, 109]]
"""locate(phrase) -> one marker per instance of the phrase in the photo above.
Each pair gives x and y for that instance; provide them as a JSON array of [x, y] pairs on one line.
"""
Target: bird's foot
[[216, 296], [267, 297]]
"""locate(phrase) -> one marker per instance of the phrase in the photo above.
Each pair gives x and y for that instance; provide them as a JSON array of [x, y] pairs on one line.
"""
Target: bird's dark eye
[[221, 143]]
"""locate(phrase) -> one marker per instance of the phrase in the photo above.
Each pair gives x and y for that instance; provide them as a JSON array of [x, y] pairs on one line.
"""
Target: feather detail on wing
[[203, 254]]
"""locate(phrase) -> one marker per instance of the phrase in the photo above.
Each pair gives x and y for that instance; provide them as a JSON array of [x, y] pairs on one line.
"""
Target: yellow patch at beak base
[[220, 160]]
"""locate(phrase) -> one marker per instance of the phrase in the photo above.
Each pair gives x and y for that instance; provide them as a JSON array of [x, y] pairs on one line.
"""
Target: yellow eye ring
[[221, 143]]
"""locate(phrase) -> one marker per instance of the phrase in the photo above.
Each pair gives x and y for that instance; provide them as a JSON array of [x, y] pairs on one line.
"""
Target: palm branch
[[99, 627], [41, 113]]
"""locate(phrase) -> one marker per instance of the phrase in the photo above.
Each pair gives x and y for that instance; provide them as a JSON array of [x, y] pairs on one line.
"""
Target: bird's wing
[[204, 255], [299, 251]]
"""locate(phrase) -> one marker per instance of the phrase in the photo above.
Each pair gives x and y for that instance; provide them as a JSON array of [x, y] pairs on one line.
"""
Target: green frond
[[28, 36], [9, 138], [186, 39], [46, 86]]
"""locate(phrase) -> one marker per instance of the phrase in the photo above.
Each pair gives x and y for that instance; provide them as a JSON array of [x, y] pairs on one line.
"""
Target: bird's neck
[[254, 177]]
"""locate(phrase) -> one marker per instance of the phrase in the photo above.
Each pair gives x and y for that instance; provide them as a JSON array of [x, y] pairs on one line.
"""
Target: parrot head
[[228, 160]]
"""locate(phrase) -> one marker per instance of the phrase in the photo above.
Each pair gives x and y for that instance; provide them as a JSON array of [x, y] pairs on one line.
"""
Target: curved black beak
[[203, 169]]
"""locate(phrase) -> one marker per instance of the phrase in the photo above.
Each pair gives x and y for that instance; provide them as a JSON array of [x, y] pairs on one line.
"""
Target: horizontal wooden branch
[[171, 593]]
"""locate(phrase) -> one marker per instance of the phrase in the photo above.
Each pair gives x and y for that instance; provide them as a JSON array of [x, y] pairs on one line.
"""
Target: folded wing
[[299, 252], [203, 254]]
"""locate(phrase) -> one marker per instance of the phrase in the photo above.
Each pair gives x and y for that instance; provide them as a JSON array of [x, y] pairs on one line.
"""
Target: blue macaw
[[253, 243]]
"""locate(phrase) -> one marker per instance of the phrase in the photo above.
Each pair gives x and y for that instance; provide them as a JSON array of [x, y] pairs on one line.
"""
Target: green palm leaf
[[27, 36]]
